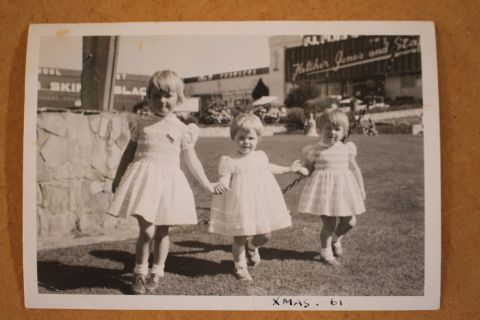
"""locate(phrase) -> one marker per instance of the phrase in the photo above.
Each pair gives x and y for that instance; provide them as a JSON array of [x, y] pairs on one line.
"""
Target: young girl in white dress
[[149, 183], [335, 189], [252, 203]]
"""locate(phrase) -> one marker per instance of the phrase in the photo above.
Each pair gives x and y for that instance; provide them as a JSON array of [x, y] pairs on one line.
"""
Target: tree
[[296, 98], [260, 90]]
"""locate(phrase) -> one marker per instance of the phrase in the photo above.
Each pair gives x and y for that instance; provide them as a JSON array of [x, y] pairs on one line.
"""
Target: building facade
[[388, 66], [346, 66]]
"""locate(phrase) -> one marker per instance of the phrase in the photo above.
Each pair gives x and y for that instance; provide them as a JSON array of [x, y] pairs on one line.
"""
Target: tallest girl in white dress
[[150, 185]]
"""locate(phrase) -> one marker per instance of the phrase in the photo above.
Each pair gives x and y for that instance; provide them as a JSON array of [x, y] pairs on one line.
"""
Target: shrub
[[260, 111], [295, 98], [215, 112], [295, 119], [270, 113]]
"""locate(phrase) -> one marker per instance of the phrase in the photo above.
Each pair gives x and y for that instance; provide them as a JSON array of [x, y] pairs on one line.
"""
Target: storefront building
[[388, 66]]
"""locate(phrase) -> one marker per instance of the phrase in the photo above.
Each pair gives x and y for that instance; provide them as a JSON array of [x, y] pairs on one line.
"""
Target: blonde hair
[[168, 81], [335, 117], [245, 122]]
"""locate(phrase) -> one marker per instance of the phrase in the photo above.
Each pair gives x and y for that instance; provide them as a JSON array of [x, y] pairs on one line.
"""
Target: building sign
[[328, 59], [315, 40], [229, 75], [60, 88]]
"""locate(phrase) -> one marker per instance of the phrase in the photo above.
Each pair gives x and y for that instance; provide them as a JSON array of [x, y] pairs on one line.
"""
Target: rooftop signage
[[228, 75], [332, 57]]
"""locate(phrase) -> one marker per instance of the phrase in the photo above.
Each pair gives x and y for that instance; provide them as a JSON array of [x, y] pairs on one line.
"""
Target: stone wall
[[77, 156]]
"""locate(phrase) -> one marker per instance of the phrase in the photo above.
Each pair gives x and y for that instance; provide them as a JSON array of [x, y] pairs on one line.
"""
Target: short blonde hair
[[245, 122], [166, 80], [333, 116]]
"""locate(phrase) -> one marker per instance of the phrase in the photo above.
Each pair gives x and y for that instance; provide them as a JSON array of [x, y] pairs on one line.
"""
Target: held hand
[[220, 188], [211, 187], [303, 171], [298, 168]]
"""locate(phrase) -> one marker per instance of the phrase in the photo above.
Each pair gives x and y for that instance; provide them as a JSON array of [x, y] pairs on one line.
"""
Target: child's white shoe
[[241, 273], [253, 256], [327, 257], [330, 261], [337, 249]]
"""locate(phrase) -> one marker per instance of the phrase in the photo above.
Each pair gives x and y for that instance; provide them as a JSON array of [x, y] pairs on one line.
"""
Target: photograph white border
[[426, 31]]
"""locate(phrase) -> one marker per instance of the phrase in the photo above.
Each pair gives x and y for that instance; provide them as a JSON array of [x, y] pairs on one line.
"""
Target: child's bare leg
[[238, 250], [326, 237], [345, 225], [160, 249], [327, 231], [161, 245], [258, 240], [142, 250]]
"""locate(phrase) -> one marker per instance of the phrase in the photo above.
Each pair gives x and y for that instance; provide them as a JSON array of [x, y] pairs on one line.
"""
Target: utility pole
[[98, 72]]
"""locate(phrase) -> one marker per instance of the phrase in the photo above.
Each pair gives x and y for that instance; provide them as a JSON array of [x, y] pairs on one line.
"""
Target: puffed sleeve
[[190, 136], [352, 149], [225, 166], [308, 152], [133, 126]]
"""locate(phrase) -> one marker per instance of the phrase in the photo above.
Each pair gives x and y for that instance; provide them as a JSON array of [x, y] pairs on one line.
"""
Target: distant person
[[253, 206], [149, 184], [335, 188], [141, 107], [371, 129], [354, 104]]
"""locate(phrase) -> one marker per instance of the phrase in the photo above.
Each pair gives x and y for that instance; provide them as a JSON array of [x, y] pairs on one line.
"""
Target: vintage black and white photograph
[[253, 166]]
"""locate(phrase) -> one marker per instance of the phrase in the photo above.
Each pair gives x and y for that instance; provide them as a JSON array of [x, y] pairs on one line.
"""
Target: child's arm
[[196, 168], [295, 167], [127, 157], [308, 159], [310, 166], [357, 174], [223, 184]]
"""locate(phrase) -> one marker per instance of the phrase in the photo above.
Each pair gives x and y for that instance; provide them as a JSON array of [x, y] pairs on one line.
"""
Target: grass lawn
[[384, 254]]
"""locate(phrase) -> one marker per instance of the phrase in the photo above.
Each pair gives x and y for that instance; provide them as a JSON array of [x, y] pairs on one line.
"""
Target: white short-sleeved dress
[[332, 189], [254, 203], [153, 186]]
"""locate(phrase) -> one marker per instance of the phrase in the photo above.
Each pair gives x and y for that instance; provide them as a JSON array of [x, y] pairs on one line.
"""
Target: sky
[[187, 55]]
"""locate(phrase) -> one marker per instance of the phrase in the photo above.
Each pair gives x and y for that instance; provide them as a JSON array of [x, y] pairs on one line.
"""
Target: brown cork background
[[458, 44]]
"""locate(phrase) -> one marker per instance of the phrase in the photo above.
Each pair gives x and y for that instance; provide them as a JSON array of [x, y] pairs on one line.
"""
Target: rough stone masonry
[[77, 156]]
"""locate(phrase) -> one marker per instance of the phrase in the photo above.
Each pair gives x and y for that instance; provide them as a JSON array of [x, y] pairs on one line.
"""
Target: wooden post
[[98, 72]]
